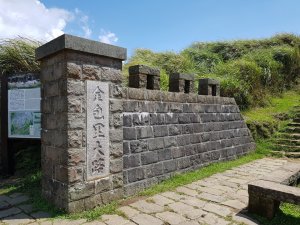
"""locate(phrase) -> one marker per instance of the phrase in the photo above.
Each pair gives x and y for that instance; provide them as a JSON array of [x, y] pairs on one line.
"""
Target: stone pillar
[[81, 122], [179, 82], [209, 86], [141, 76], [263, 206]]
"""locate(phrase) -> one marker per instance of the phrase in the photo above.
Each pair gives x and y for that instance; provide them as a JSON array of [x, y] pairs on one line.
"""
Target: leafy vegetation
[[263, 122], [18, 55], [250, 71]]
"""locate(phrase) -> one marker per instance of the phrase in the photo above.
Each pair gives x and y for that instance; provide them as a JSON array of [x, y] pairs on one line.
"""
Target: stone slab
[[274, 191], [71, 42], [97, 123], [182, 76], [142, 69]]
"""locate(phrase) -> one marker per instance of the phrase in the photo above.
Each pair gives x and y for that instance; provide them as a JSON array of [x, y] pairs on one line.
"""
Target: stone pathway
[[216, 200]]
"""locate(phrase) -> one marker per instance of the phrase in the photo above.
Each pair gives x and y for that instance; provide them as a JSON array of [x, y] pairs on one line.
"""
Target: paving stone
[[211, 219], [15, 195], [191, 222], [9, 212], [94, 223], [180, 207], [243, 219], [21, 218], [211, 191], [41, 215], [4, 205], [28, 208], [243, 193], [18, 199], [173, 195], [229, 184], [145, 219], [147, 207], [220, 176], [193, 186], [225, 188], [194, 213], [45, 222], [69, 222], [195, 202], [4, 198], [187, 191], [115, 220], [161, 200], [236, 204], [171, 217], [212, 198], [217, 209], [238, 181], [128, 211], [205, 183]]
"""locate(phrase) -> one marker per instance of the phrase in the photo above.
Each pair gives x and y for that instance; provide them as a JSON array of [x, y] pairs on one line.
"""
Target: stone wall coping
[[182, 76], [143, 69], [71, 42], [163, 96], [275, 191], [209, 81], [287, 175]]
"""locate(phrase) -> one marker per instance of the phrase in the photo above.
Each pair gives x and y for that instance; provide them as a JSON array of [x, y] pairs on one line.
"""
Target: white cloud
[[83, 23], [30, 18], [108, 37]]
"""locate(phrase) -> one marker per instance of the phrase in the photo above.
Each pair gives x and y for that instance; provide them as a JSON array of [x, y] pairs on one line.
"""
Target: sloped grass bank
[[265, 121]]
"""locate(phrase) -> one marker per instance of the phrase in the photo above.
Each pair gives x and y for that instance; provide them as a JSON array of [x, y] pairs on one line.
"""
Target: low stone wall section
[[165, 133]]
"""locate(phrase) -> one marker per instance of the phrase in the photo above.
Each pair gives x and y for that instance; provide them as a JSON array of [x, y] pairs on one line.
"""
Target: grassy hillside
[[249, 70]]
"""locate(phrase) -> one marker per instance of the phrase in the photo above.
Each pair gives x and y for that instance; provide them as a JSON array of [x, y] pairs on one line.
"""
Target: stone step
[[289, 136], [297, 120], [286, 148], [286, 154], [293, 142], [292, 129], [294, 124]]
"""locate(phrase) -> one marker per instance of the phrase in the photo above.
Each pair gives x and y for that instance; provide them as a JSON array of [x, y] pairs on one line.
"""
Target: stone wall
[[101, 141], [165, 133]]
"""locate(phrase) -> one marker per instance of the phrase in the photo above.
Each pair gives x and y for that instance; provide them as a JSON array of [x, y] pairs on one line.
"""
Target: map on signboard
[[24, 97]]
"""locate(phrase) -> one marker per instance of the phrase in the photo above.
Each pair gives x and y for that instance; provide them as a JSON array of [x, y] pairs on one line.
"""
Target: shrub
[[203, 61], [18, 55], [271, 76]]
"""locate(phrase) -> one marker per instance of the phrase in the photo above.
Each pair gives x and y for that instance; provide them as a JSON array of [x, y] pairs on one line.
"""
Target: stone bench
[[266, 194]]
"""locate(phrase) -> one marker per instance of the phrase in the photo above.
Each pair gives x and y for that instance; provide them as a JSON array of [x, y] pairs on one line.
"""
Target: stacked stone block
[[145, 77], [179, 82], [166, 133], [67, 63], [209, 86]]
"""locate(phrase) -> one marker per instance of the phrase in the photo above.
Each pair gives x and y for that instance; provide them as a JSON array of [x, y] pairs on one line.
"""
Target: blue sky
[[171, 24]]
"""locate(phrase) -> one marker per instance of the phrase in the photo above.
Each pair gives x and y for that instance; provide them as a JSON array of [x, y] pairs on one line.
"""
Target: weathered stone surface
[[142, 69], [114, 219], [97, 129], [67, 41], [217, 209], [9, 212], [145, 219], [21, 218], [129, 211], [147, 207], [171, 218]]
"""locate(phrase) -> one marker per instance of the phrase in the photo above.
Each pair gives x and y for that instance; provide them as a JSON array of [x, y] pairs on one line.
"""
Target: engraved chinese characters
[[97, 115]]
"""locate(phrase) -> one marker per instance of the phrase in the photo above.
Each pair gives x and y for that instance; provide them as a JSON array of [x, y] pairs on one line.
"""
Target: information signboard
[[24, 104]]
